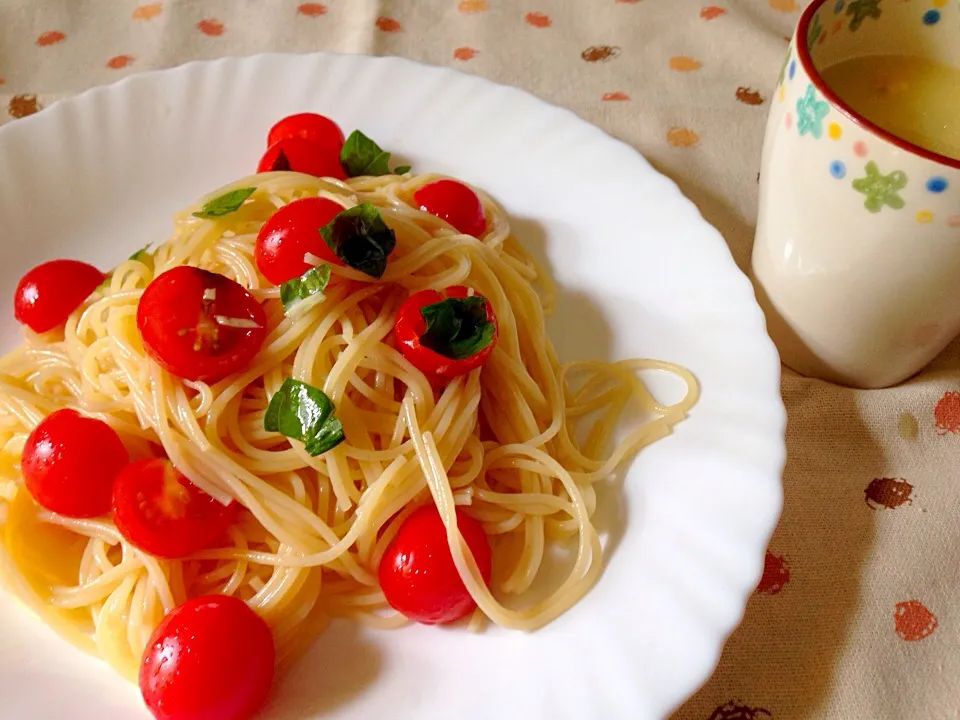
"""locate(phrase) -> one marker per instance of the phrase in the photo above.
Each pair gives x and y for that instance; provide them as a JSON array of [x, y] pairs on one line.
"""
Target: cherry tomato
[[199, 325], [410, 326], [69, 463], [48, 293], [210, 658], [309, 126], [292, 232], [156, 508], [417, 573], [454, 202], [302, 156]]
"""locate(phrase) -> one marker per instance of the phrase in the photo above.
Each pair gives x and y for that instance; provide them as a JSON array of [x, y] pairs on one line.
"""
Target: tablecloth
[[857, 612]]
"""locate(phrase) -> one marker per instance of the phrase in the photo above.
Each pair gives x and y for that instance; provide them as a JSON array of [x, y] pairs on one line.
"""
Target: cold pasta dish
[[329, 393]]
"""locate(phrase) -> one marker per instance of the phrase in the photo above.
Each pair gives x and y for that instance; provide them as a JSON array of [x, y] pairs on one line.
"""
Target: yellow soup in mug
[[914, 98]]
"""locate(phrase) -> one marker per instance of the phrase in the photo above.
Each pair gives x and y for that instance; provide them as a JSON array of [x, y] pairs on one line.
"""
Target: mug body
[[857, 253]]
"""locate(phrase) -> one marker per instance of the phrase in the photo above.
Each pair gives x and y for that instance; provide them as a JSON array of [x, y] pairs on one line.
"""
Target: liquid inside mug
[[857, 254]]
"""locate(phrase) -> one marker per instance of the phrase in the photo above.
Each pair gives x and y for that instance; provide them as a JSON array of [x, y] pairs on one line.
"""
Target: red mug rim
[[803, 28]]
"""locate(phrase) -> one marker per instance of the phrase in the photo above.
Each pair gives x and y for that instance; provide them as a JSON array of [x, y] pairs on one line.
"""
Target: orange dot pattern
[[50, 37], [312, 9], [147, 12], [118, 62], [537, 19], [211, 27], [682, 137], [388, 24]]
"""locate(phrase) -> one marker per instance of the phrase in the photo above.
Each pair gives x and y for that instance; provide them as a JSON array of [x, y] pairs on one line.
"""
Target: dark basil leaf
[[457, 327], [310, 283], [225, 204], [362, 156], [402, 169], [281, 163], [304, 413], [361, 239]]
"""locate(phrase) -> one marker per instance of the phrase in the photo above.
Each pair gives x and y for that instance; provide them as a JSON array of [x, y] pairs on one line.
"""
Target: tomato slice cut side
[[200, 325], [156, 508]]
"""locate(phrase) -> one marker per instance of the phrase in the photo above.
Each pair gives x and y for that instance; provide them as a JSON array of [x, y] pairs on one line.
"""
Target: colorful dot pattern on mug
[[834, 131], [838, 169], [937, 184], [931, 17]]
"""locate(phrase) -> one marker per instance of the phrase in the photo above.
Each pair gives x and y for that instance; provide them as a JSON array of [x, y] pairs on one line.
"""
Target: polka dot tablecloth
[[857, 614]]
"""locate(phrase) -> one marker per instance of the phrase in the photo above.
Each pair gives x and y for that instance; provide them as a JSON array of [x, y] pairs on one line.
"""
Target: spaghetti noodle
[[519, 445]]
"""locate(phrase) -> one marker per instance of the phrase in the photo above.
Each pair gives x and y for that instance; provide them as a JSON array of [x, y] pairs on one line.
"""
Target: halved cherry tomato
[[302, 156], [292, 232], [70, 461], [309, 126], [454, 202], [417, 573], [48, 293], [210, 658], [156, 508], [200, 325], [410, 326]]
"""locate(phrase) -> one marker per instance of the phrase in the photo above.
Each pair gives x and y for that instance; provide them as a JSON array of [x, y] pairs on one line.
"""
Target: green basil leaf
[[361, 239], [402, 169], [141, 252], [326, 438], [304, 413], [457, 327], [362, 156], [310, 283], [225, 204]]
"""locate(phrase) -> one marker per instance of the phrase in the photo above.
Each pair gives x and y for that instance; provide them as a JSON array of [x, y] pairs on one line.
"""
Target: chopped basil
[[310, 283], [141, 252], [360, 238], [401, 169], [305, 413], [362, 156], [457, 327], [225, 204]]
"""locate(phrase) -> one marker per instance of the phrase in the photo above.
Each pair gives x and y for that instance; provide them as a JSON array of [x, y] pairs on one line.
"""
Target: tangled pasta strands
[[501, 442]]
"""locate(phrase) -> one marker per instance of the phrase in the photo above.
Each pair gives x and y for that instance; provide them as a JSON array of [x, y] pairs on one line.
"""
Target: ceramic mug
[[857, 253]]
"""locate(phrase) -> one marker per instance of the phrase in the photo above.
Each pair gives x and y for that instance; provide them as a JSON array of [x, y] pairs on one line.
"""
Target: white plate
[[641, 273]]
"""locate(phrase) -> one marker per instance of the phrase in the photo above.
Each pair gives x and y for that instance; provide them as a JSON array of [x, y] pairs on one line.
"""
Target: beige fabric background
[[857, 615]]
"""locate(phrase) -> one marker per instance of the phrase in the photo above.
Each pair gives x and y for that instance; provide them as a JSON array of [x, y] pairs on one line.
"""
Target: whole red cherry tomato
[[447, 333], [210, 658], [417, 574], [48, 293], [302, 156], [309, 126], [200, 325], [454, 202], [292, 232], [156, 508], [70, 461]]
